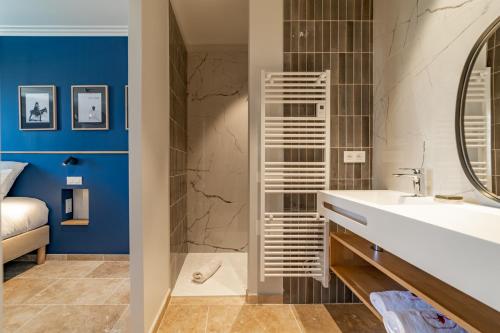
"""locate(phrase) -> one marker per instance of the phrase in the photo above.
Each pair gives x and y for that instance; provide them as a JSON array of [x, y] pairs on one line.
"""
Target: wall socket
[[68, 206], [354, 156], [74, 180]]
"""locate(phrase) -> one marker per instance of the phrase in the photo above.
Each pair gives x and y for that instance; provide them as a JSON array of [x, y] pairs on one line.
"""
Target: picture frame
[[89, 108], [37, 107], [126, 107]]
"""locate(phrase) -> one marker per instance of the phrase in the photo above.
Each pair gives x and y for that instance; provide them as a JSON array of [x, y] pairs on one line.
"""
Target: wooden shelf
[[466, 311], [363, 280], [75, 222]]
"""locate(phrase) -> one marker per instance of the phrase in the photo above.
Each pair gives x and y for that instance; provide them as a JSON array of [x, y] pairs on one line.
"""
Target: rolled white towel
[[419, 321], [206, 271], [395, 300]]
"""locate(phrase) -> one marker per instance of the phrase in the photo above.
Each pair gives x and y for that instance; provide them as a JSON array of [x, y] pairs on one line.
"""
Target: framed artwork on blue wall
[[37, 108], [89, 107]]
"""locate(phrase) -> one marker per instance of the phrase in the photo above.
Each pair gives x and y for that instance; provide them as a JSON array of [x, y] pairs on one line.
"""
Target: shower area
[[209, 148]]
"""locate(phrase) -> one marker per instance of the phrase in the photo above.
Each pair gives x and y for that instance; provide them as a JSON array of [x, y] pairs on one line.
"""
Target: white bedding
[[20, 214]]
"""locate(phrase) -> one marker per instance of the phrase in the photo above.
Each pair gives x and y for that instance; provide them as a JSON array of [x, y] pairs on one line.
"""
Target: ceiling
[[202, 22], [63, 17], [206, 22]]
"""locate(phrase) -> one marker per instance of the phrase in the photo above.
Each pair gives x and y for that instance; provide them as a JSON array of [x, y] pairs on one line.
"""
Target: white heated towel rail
[[294, 243], [477, 122]]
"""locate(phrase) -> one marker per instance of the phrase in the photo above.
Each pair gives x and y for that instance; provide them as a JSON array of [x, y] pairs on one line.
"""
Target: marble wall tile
[[420, 48], [217, 157]]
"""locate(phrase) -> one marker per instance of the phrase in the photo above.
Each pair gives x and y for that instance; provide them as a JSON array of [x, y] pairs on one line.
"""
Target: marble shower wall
[[217, 205], [420, 48], [178, 147]]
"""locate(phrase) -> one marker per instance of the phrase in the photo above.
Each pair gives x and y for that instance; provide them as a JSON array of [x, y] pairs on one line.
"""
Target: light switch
[[354, 156], [74, 180], [68, 206]]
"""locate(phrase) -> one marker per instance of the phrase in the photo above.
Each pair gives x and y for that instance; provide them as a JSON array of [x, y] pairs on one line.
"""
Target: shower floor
[[229, 280]]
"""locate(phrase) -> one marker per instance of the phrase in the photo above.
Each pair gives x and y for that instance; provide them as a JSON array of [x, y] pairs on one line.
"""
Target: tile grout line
[[206, 321], [29, 320], [41, 291], [295, 317], [121, 317], [114, 291], [45, 306]]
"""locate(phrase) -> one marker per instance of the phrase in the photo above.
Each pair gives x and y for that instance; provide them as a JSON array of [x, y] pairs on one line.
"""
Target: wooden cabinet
[[365, 270]]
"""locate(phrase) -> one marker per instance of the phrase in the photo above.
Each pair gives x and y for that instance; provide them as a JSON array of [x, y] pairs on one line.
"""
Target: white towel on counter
[[395, 300], [419, 321], [206, 271]]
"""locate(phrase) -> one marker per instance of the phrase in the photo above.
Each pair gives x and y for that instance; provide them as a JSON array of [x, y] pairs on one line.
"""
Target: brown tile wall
[[178, 149], [494, 63], [334, 35]]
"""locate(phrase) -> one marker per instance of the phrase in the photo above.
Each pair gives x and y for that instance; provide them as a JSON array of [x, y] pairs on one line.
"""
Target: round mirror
[[478, 114]]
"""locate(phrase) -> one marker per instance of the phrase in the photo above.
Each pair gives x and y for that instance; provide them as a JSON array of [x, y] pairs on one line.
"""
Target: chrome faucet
[[418, 178]]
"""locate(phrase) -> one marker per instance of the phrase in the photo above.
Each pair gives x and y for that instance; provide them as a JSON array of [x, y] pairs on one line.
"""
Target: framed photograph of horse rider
[[37, 108], [89, 107]]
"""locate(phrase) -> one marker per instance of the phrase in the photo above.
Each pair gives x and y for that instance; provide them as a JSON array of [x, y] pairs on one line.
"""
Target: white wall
[[265, 53], [149, 160], [420, 48], [206, 22]]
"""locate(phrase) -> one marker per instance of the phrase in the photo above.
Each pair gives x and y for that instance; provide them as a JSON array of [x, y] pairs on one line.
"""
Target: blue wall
[[66, 61]]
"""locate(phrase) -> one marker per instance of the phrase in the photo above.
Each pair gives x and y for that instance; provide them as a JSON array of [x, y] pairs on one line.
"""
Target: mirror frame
[[460, 111]]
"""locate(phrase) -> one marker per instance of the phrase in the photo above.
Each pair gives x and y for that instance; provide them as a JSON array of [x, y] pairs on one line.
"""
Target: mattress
[[20, 214]]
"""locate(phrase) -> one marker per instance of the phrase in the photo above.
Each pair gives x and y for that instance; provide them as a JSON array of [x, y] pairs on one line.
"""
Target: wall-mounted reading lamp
[[70, 160]]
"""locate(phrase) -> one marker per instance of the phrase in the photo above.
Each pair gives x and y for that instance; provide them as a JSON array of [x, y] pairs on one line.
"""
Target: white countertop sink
[[458, 243]]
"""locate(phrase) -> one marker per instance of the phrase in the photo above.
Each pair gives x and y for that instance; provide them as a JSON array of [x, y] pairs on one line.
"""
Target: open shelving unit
[[75, 205], [365, 270]]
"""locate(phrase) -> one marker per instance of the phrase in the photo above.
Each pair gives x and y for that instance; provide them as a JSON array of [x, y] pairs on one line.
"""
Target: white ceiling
[[63, 16], [204, 22]]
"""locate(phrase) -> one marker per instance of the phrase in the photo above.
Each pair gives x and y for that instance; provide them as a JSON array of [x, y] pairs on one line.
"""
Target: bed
[[24, 227]]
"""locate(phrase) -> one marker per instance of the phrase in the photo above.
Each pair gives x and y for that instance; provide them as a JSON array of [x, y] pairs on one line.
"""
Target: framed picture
[[37, 108], [126, 107], [89, 107]]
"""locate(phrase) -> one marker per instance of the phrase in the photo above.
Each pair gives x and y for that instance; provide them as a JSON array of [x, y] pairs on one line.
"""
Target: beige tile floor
[[231, 314], [66, 296], [93, 296]]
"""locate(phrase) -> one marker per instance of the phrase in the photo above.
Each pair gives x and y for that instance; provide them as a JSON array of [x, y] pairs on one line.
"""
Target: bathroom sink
[[458, 243], [384, 197]]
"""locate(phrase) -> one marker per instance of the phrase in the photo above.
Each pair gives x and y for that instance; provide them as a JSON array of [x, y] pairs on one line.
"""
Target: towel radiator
[[477, 124], [295, 122]]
